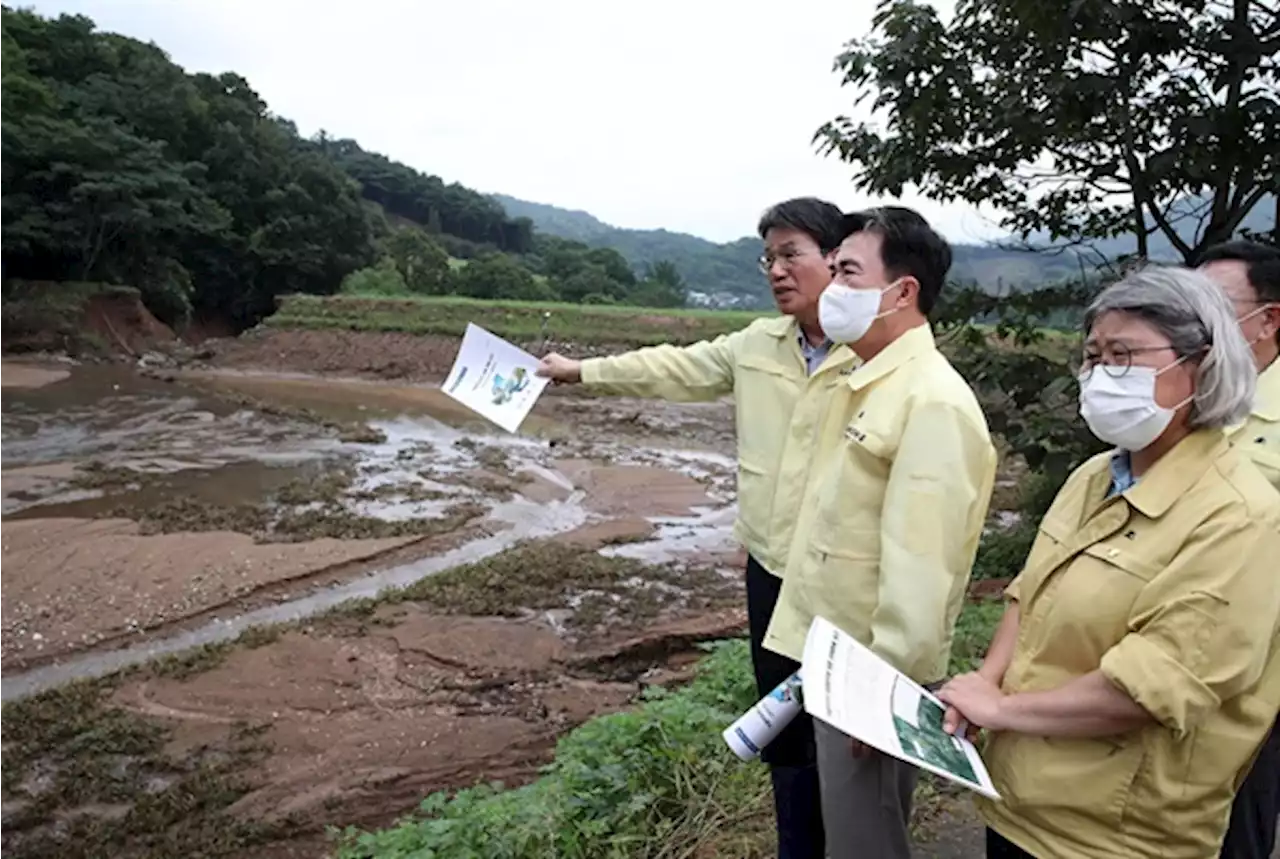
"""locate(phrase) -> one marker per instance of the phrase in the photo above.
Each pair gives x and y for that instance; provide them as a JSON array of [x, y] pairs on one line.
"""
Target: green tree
[[383, 278], [614, 265], [662, 287], [500, 276], [589, 280], [422, 262], [1093, 120]]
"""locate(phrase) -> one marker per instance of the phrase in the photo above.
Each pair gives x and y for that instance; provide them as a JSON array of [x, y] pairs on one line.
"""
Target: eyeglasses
[[787, 258], [1115, 360]]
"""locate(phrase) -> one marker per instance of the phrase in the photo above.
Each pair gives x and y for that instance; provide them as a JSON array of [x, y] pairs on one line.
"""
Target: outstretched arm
[[702, 371]]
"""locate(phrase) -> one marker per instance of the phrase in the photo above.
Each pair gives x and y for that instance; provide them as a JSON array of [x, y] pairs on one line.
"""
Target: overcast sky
[[692, 115]]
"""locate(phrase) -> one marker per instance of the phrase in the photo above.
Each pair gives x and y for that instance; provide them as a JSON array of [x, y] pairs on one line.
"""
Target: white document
[[853, 690], [494, 378]]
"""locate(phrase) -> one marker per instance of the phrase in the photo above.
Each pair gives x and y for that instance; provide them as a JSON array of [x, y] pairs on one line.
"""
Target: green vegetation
[[122, 168], [654, 782], [727, 274], [519, 321], [71, 749], [1144, 128]]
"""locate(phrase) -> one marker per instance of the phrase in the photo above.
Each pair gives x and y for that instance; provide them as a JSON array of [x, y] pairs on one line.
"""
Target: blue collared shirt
[[814, 355], [1121, 473]]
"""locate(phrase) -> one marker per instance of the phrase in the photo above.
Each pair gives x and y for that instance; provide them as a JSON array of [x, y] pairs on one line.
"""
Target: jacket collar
[[1266, 403], [781, 326], [786, 327], [911, 345], [1176, 472]]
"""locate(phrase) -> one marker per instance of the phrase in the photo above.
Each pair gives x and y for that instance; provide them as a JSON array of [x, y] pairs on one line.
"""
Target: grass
[[85, 779], [654, 782], [617, 327], [519, 321], [542, 576]]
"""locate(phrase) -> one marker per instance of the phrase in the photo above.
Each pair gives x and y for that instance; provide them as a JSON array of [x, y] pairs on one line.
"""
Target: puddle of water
[[187, 440], [138, 422], [225, 485], [708, 532], [527, 520]]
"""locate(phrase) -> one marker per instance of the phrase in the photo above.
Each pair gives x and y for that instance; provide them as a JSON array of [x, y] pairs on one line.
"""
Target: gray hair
[[1196, 316]]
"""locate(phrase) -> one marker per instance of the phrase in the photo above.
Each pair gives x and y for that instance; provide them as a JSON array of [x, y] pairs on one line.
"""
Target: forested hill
[[730, 269], [120, 167]]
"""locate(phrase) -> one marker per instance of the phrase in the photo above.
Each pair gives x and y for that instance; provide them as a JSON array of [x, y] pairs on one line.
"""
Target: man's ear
[[908, 292], [1271, 318]]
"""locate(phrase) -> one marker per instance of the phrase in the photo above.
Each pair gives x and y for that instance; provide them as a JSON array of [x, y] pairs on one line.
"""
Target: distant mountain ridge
[[729, 270]]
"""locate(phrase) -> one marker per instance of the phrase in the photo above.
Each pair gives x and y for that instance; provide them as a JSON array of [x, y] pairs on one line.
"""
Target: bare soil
[[381, 355], [140, 508], [74, 583], [353, 717], [17, 375], [348, 718]]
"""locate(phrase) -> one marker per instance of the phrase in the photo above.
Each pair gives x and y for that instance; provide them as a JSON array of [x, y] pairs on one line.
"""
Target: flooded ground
[[229, 518]]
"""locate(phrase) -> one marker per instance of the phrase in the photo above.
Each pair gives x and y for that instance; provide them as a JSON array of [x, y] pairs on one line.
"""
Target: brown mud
[[367, 354], [143, 508], [566, 568]]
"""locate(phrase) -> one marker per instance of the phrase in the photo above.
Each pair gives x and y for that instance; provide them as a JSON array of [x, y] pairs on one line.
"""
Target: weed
[[974, 628], [206, 657], [330, 519], [96, 475], [339, 523], [186, 514], [90, 779], [544, 576]]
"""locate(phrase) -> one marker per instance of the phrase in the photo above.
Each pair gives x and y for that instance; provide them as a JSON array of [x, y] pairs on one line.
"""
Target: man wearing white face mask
[[903, 469], [1249, 274]]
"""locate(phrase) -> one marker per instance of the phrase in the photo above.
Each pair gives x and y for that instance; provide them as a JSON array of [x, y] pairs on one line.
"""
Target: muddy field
[[196, 537], [205, 546]]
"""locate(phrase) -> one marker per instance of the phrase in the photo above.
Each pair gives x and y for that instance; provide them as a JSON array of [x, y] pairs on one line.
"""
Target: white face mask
[[1124, 411], [846, 314]]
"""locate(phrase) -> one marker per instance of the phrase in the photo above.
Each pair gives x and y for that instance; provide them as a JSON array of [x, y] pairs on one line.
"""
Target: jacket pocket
[[844, 583], [1088, 777], [755, 499]]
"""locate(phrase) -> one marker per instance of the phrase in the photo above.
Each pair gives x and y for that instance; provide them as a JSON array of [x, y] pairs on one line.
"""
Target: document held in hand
[[494, 378], [853, 690]]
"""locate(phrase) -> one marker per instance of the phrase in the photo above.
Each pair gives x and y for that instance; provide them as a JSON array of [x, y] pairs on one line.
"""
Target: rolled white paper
[[757, 727]]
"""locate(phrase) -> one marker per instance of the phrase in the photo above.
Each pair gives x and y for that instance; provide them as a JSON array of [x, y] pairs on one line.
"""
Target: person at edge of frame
[[905, 471], [1249, 274], [781, 372]]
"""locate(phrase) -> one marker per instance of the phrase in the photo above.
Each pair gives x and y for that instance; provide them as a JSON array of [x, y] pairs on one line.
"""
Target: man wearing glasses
[[781, 372], [1249, 274]]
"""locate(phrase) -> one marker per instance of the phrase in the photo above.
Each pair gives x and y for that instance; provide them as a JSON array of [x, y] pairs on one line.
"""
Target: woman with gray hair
[[1134, 673]]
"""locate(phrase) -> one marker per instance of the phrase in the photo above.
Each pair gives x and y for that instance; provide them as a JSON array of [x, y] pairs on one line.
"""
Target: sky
[[688, 115]]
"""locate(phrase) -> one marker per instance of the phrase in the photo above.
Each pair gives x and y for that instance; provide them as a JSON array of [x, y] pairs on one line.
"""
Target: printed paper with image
[[494, 378], [852, 689]]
